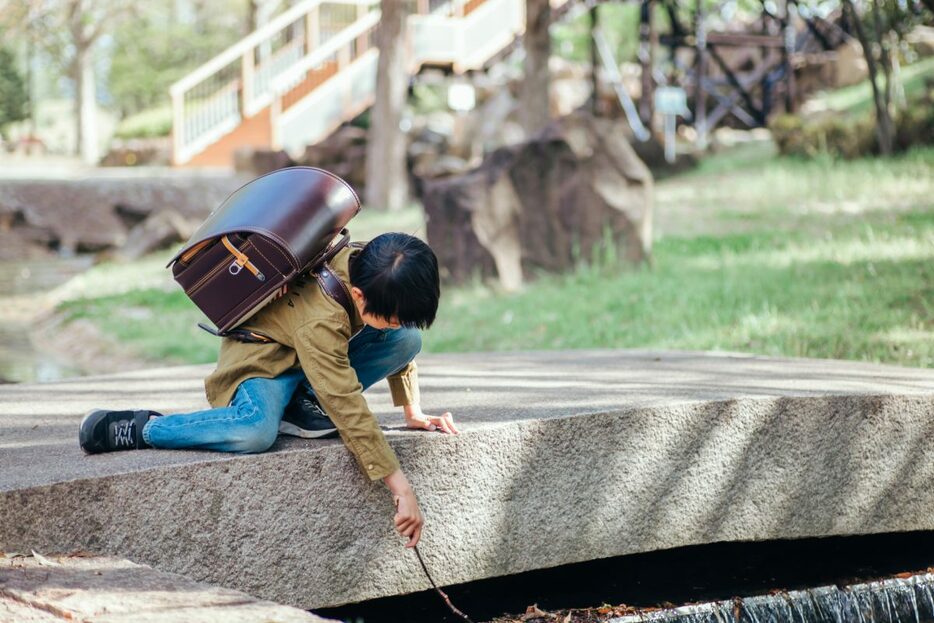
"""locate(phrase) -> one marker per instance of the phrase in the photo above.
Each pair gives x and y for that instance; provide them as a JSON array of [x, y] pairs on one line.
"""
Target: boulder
[[139, 152], [158, 231], [921, 38], [255, 162], [96, 214], [343, 153], [544, 204], [850, 65]]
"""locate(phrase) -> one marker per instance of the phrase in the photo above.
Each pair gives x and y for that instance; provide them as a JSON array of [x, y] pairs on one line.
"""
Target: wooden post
[[594, 62], [700, 101], [787, 50], [647, 42], [178, 127], [246, 82], [312, 30], [765, 53]]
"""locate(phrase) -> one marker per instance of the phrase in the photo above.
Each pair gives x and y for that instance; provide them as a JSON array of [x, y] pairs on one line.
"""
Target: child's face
[[380, 323], [376, 322]]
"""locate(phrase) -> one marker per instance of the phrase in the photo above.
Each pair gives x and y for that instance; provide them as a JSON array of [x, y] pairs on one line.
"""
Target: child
[[328, 357]]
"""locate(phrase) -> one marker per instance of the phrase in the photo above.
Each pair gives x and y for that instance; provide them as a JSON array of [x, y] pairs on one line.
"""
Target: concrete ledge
[[565, 457]]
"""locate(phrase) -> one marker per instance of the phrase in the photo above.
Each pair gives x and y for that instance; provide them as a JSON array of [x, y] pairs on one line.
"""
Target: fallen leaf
[[533, 612], [11, 555], [43, 561]]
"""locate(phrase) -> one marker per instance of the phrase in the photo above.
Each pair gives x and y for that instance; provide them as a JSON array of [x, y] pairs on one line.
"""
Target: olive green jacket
[[313, 331]]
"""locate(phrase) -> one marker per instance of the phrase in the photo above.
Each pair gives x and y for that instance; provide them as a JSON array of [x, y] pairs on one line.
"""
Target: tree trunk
[[86, 105], [647, 42], [594, 62], [386, 185], [883, 119], [533, 97], [884, 58]]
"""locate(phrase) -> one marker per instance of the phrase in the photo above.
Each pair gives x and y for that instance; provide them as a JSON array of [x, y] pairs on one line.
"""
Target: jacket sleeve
[[322, 351], [404, 386]]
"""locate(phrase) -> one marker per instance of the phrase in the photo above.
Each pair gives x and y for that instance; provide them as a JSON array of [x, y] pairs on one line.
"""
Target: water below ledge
[[689, 575]]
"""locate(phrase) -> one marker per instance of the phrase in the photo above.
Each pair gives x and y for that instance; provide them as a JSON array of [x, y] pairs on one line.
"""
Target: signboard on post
[[671, 102]]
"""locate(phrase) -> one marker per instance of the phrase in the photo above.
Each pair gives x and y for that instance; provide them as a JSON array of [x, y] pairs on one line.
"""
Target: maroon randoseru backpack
[[260, 238]]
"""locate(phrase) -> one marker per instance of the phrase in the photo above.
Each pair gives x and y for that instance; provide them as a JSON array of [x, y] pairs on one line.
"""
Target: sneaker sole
[[291, 429], [84, 432]]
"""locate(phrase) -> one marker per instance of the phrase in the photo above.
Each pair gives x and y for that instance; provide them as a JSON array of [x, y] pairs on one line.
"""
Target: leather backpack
[[263, 236]]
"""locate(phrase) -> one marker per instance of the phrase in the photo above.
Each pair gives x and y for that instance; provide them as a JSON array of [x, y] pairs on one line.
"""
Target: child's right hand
[[408, 518]]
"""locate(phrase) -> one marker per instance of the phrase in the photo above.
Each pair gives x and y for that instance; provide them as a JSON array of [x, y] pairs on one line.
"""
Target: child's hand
[[408, 517], [414, 418]]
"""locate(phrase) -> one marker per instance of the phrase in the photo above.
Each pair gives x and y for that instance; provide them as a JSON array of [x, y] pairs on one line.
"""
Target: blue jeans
[[250, 423]]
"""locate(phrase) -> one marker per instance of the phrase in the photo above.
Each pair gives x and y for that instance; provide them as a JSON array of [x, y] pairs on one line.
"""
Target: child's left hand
[[414, 418]]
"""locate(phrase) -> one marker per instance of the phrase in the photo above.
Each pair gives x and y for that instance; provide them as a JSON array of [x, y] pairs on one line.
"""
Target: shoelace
[[125, 434]]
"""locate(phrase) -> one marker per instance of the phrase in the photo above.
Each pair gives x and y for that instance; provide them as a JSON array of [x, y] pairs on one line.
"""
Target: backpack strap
[[241, 335], [330, 251], [333, 287]]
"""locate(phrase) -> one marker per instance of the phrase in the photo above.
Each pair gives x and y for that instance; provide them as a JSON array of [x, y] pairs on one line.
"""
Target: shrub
[[146, 124], [836, 136], [13, 93], [853, 136], [915, 124]]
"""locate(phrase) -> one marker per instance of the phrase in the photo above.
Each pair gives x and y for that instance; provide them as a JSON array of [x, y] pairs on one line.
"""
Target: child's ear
[[357, 294]]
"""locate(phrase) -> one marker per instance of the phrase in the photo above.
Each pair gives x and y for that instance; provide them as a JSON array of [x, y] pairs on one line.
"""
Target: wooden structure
[[739, 74]]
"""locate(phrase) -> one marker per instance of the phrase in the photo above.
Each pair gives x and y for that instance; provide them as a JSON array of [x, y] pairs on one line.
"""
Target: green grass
[[857, 99], [156, 324], [863, 290], [749, 188], [756, 254]]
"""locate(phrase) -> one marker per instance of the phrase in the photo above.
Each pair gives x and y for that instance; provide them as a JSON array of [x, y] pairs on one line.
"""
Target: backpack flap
[[248, 250]]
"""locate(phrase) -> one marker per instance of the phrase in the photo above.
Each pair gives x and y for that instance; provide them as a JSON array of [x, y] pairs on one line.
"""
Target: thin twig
[[446, 599]]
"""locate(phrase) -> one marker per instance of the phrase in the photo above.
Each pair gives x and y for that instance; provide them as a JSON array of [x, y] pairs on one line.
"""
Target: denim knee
[[408, 342], [253, 440], [252, 431]]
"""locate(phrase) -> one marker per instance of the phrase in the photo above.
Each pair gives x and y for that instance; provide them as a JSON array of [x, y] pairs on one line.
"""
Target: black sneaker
[[106, 431], [305, 418]]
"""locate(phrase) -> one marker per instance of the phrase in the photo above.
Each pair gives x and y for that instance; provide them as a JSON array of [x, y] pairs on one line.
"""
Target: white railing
[[204, 103], [314, 66]]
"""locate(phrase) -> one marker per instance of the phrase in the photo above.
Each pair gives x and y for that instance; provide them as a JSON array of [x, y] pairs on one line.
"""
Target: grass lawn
[[857, 99], [753, 253]]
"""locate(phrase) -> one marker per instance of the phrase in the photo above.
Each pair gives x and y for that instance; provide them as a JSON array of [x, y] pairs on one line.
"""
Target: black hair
[[398, 275]]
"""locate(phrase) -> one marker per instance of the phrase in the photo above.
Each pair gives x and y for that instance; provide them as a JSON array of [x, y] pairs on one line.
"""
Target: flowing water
[[776, 576], [23, 289], [893, 600]]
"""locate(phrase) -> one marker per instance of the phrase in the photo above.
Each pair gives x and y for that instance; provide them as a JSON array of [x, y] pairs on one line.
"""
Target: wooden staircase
[[296, 79]]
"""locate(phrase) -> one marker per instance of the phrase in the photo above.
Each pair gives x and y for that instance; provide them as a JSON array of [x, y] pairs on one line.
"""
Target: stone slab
[[564, 457], [95, 589]]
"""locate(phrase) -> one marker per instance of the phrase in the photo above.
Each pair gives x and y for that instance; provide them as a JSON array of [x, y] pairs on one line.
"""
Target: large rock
[[96, 213], [563, 457], [158, 231], [343, 153], [253, 162], [921, 38], [544, 204]]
